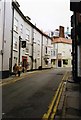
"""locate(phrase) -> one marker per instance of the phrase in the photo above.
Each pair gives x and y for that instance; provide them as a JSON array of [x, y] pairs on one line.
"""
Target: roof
[[62, 40]]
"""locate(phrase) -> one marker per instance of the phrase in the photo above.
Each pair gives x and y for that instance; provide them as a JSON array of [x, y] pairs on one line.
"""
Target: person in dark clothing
[[19, 70], [15, 69]]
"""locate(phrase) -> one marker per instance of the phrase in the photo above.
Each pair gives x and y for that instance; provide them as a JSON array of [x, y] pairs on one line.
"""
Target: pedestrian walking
[[15, 69], [19, 67]]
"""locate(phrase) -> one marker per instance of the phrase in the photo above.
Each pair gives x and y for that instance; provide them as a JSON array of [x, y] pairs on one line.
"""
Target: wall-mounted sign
[[23, 44]]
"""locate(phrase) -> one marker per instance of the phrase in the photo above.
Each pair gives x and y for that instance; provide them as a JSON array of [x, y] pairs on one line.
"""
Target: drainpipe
[[19, 48], [57, 54], [3, 37], [41, 51], [32, 47], [75, 47]]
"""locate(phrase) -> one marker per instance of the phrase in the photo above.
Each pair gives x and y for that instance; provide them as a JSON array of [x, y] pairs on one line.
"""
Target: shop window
[[46, 62], [65, 62], [53, 61]]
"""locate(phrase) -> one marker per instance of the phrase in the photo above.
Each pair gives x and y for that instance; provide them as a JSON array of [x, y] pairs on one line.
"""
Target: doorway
[[24, 61], [59, 63]]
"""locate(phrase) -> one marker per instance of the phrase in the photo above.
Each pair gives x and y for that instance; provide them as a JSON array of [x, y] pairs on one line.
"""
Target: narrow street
[[31, 96]]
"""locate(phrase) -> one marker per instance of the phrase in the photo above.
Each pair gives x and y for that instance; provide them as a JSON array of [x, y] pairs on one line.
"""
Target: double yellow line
[[55, 102]]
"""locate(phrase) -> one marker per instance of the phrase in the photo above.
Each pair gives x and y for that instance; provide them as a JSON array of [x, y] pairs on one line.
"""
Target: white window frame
[[39, 42], [38, 52], [21, 28], [27, 34], [34, 37], [46, 50], [15, 24], [27, 48], [15, 43]]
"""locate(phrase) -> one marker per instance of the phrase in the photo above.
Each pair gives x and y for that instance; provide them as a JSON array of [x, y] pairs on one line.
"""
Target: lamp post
[[19, 47]]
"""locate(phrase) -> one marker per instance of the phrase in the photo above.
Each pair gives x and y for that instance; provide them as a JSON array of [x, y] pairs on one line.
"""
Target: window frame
[[15, 24], [27, 34], [15, 43]]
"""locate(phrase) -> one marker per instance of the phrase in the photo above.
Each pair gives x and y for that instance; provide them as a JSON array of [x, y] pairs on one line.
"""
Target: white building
[[61, 52], [5, 35], [15, 28], [46, 52]]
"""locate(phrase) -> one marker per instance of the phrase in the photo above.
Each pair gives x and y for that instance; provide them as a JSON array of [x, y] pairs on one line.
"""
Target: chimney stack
[[61, 31]]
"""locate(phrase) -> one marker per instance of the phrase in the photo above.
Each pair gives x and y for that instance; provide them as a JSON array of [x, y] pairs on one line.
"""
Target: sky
[[47, 14]]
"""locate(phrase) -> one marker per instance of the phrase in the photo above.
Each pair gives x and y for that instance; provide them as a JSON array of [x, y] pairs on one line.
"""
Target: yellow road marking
[[55, 108], [47, 115], [18, 78]]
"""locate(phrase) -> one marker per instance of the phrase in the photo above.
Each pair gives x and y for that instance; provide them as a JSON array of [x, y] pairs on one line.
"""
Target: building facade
[[75, 7], [17, 30], [46, 52], [5, 36], [61, 52]]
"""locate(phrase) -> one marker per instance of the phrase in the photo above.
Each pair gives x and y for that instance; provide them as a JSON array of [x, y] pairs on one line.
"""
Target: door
[[24, 61], [59, 63]]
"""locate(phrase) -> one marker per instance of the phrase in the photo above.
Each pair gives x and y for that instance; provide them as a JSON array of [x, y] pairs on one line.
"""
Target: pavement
[[13, 77], [70, 104]]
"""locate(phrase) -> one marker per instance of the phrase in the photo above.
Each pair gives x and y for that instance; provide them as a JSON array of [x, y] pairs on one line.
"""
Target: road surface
[[31, 96]]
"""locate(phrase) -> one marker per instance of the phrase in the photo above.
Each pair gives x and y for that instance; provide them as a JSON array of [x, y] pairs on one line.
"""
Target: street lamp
[[23, 45], [19, 47]]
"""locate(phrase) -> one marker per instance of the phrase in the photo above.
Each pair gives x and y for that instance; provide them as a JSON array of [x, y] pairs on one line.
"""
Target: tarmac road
[[31, 96]]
